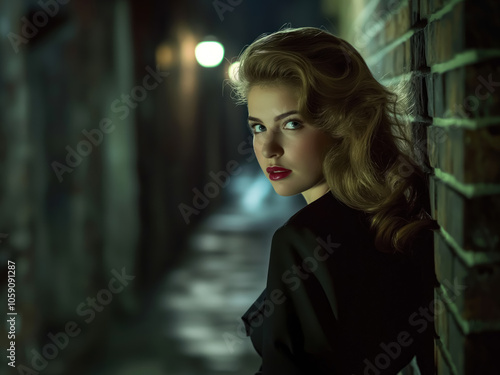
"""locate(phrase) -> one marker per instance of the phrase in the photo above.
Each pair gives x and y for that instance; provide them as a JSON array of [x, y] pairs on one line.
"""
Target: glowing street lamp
[[209, 53]]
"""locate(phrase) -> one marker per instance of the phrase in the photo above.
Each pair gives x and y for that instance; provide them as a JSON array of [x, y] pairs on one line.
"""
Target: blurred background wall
[[111, 132]]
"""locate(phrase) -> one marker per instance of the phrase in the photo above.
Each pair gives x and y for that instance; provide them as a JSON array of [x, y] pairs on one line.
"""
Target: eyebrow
[[277, 118]]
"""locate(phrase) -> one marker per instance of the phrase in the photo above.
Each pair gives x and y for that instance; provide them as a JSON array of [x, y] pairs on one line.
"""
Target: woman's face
[[289, 150]]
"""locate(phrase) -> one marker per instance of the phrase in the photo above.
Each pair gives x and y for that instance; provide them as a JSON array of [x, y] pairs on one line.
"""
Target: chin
[[286, 192]]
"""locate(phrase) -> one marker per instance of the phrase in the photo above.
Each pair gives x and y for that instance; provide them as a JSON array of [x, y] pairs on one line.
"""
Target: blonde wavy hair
[[370, 165]]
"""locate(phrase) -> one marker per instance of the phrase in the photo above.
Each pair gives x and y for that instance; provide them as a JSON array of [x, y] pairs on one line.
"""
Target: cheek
[[257, 150], [311, 152]]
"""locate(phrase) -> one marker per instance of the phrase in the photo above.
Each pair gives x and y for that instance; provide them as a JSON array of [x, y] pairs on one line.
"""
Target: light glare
[[232, 71], [209, 54]]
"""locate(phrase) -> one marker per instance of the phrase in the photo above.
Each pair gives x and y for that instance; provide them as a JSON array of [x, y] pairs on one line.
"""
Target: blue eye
[[295, 124], [257, 128]]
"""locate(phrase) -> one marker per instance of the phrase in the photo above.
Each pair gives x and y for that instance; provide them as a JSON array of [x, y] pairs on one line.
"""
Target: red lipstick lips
[[277, 173]]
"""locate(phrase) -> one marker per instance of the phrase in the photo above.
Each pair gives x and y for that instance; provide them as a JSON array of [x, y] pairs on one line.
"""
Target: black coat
[[333, 304]]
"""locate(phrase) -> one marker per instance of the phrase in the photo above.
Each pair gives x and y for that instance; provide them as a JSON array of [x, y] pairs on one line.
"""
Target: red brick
[[453, 93], [415, 12], [469, 25], [443, 259], [450, 211], [481, 87], [432, 196], [459, 285], [456, 346], [481, 155], [474, 354], [398, 24], [393, 64], [472, 223], [424, 8], [392, 27], [419, 92], [435, 5], [481, 298], [482, 220], [418, 45], [438, 87], [441, 319], [481, 354], [482, 24], [472, 290], [419, 143], [442, 366], [471, 156], [441, 36], [468, 92]]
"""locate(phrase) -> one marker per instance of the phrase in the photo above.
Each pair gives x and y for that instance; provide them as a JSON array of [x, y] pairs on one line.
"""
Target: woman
[[346, 285]]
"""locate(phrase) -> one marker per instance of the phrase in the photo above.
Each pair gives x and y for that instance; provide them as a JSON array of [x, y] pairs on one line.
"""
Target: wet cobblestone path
[[193, 326]]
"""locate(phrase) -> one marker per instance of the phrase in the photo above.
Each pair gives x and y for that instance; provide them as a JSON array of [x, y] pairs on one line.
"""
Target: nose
[[271, 146]]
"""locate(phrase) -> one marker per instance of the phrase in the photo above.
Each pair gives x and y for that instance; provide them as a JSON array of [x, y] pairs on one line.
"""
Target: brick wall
[[450, 52]]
